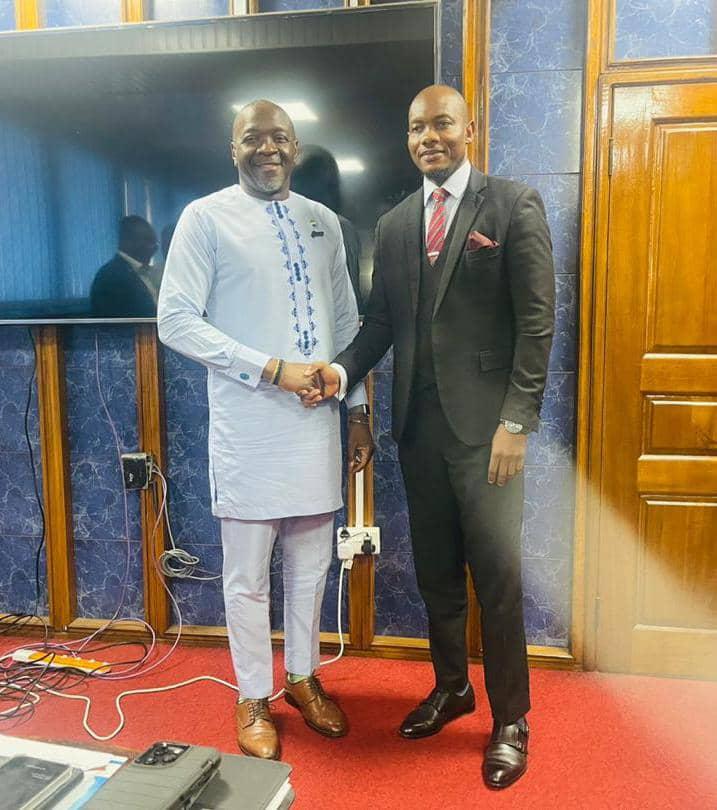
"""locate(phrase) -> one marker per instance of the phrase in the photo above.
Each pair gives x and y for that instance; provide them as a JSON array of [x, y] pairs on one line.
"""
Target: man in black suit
[[463, 289], [127, 286]]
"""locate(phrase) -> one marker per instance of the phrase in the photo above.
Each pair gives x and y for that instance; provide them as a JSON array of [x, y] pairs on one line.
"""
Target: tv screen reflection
[[99, 155]]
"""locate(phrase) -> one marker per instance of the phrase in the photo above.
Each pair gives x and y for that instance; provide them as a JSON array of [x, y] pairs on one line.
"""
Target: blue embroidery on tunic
[[299, 280]]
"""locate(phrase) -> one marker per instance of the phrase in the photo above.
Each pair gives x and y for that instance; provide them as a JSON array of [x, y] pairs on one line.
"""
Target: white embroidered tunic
[[271, 277]]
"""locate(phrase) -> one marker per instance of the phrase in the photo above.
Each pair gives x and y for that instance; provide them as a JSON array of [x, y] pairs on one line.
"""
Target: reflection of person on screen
[[127, 286], [166, 239], [316, 176]]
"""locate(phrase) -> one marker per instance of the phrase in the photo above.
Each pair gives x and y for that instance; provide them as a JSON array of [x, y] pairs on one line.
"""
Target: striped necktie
[[437, 226]]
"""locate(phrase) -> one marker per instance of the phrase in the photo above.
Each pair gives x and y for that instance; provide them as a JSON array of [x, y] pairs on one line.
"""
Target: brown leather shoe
[[256, 732], [318, 710]]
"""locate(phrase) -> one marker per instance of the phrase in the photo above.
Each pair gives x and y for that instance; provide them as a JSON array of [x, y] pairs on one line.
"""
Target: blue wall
[[663, 28], [537, 57], [20, 518], [7, 15]]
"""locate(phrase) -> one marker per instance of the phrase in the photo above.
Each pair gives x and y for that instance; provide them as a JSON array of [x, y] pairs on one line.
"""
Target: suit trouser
[[457, 517], [307, 544]]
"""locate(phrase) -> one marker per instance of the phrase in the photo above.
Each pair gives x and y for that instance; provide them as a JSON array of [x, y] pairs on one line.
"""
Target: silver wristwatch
[[512, 427]]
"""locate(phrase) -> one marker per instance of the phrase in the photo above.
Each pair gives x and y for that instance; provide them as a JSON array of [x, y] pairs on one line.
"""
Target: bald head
[[441, 95], [262, 107], [264, 149], [439, 128]]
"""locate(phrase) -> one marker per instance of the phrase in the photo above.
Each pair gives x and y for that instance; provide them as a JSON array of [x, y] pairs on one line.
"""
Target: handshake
[[311, 382]]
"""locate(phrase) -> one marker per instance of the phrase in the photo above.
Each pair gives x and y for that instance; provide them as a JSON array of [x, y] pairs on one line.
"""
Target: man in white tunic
[[268, 268]]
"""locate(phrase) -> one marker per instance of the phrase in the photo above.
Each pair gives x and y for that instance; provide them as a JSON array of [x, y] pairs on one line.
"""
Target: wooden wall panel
[[688, 426], [132, 11], [27, 15], [670, 593], [683, 653], [684, 242], [362, 576], [151, 433], [679, 373], [56, 490], [677, 475]]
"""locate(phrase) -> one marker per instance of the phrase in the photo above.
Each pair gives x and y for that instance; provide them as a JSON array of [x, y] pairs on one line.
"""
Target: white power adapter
[[353, 540]]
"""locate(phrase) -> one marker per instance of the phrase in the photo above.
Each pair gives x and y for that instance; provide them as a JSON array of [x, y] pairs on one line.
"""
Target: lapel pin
[[315, 229]]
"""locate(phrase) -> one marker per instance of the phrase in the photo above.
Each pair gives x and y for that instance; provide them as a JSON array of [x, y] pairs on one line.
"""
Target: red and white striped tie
[[437, 226]]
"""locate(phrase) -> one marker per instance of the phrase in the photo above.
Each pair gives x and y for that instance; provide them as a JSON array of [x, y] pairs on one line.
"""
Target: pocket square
[[477, 240]]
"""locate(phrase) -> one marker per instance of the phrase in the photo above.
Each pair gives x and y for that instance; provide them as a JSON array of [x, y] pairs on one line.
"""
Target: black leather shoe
[[436, 710], [506, 757]]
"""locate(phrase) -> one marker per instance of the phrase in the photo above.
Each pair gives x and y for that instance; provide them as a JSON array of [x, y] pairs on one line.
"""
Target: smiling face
[[264, 150], [438, 130]]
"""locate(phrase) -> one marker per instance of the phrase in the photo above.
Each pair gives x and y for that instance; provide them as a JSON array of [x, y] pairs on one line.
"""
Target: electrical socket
[[351, 541], [136, 470]]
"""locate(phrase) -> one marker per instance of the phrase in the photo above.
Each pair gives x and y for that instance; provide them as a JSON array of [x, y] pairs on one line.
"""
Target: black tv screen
[[101, 124]]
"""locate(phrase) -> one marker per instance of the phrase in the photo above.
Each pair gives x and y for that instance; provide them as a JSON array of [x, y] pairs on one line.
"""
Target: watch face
[[512, 427]]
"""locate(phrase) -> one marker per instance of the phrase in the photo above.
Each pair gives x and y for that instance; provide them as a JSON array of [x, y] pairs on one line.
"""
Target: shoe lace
[[316, 687], [259, 710]]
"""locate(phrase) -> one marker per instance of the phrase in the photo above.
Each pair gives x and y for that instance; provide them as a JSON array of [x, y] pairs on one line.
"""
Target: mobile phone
[[27, 783], [167, 776]]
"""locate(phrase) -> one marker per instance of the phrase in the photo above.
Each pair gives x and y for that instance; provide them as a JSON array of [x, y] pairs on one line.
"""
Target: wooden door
[[658, 494]]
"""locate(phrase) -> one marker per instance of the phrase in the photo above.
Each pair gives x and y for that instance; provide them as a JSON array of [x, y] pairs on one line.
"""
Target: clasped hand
[[327, 383]]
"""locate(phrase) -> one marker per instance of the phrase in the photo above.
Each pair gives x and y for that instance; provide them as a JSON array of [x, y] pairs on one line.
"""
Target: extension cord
[[54, 661]]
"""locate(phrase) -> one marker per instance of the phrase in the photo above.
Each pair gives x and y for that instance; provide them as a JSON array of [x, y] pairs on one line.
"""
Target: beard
[[270, 185], [439, 176]]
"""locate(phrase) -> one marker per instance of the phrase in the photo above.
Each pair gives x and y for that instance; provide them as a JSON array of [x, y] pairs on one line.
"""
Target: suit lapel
[[413, 234], [467, 212]]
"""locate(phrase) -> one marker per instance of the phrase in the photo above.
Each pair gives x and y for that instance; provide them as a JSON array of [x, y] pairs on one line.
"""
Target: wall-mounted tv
[[115, 129]]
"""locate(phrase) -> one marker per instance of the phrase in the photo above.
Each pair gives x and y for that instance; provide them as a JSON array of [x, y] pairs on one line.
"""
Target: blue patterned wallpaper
[[451, 45], [298, 5], [195, 529], [664, 28], [104, 553], [537, 58], [7, 15], [537, 35], [535, 122], [66, 13], [185, 9], [20, 518]]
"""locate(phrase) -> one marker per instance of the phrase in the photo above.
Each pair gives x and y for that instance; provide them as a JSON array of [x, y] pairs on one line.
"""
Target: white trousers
[[307, 544]]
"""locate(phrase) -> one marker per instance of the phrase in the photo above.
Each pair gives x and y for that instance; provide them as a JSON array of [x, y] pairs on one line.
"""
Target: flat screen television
[[100, 124]]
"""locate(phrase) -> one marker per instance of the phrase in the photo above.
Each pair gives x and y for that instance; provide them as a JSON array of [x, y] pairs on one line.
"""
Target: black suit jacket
[[118, 292], [493, 318]]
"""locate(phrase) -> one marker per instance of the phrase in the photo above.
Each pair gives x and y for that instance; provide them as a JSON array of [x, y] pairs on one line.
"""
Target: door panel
[[658, 512], [687, 425]]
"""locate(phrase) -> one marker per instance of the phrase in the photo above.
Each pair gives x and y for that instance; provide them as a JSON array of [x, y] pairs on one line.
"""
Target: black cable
[[20, 679], [34, 474], [18, 620]]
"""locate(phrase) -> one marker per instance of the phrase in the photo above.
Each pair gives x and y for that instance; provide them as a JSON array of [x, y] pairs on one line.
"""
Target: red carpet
[[597, 741]]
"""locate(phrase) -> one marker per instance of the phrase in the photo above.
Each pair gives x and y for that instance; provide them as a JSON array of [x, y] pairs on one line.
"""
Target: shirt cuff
[[356, 396], [247, 365], [344, 384]]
